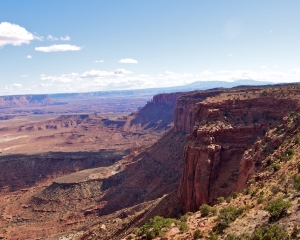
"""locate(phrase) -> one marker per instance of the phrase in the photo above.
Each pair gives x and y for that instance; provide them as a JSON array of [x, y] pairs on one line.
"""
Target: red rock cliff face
[[167, 98], [216, 160], [184, 110]]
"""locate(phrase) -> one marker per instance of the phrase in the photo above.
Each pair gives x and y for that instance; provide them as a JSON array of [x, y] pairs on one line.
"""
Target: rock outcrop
[[157, 114], [216, 157]]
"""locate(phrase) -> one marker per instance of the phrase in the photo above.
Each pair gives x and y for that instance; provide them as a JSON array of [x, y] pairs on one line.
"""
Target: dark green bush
[[220, 199], [297, 182], [246, 191], [228, 199], [213, 236], [277, 209], [273, 232], [235, 195], [298, 166], [276, 167], [198, 234]]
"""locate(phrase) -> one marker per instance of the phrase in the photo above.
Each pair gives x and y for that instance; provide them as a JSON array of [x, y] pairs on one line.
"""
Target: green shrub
[[246, 191], [183, 226], [277, 209], [205, 210], [213, 211], [220, 199], [297, 182], [298, 166], [189, 214], [276, 167], [156, 226], [255, 192], [198, 234], [273, 232], [290, 152], [226, 216], [228, 199], [260, 200], [235, 195], [186, 216], [213, 236]]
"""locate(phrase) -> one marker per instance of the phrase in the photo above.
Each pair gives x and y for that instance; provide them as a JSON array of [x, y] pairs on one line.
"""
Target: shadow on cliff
[[19, 171], [153, 173]]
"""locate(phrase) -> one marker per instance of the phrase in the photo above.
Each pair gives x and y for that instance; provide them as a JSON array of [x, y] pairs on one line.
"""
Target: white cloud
[[263, 67], [128, 60], [16, 85], [65, 78], [230, 55], [14, 34], [45, 85], [66, 38], [24, 75], [96, 74], [29, 56], [276, 66], [99, 61], [58, 48], [52, 38], [122, 71]]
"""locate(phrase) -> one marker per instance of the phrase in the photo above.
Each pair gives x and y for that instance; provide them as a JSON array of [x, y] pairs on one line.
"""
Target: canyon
[[98, 176]]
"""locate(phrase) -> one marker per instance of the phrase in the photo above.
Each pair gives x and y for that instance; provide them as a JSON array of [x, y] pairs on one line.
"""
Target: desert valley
[[67, 173]]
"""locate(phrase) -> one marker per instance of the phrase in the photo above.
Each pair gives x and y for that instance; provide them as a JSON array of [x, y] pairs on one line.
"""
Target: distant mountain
[[200, 85]]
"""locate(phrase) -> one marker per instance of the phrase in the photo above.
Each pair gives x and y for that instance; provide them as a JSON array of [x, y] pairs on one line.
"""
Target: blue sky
[[79, 46]]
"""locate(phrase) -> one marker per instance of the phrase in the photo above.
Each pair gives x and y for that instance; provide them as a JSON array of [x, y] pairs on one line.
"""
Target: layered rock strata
[[216, 160]]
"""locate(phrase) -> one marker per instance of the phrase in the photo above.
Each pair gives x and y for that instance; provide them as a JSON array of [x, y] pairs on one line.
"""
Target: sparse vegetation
[[226, 216], [273, 232], [277, 209], [156, 226]]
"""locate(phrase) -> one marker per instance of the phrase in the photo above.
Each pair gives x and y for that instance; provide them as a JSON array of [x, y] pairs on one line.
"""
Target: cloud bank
[[58, 48]]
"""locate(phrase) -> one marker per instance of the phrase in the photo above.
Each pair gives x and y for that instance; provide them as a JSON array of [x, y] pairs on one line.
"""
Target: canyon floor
[[54, 166]]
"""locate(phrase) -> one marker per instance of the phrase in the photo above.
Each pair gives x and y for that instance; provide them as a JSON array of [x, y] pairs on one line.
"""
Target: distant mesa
[[25, 100]]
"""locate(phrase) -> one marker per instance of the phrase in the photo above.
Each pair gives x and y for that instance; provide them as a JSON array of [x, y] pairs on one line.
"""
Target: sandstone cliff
[[224, 130], [157, 114]]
